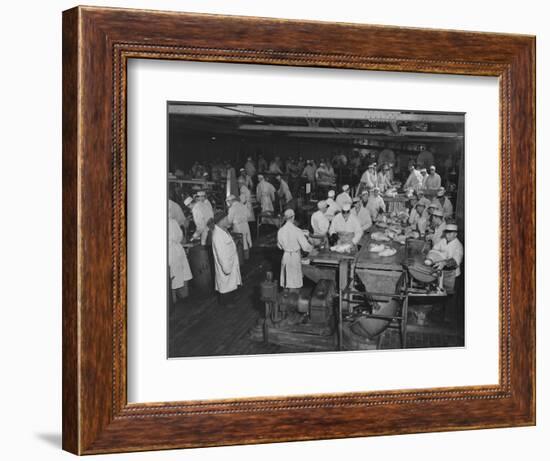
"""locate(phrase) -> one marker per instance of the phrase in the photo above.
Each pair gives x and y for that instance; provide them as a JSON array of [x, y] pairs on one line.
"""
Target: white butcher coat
[[265, 194], [226, 261], [383, 181], [370, 179], [414, 181], [446, 207], [419, 221], [319, 223], [343, 197], [364, 217], [246, 201], [291, 240], [453, 249], [237, 216], [437, 236], [175, 212], [374, 204], [180, 271], [202, 212], [284, 191], [339, 224], [333, 209], [432, 182]]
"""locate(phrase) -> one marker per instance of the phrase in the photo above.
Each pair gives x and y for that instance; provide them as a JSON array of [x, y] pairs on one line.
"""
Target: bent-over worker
[[291, 240], [319, 222]]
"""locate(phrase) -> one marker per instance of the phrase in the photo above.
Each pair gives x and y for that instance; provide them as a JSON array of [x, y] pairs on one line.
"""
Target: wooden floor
[[199, 326]]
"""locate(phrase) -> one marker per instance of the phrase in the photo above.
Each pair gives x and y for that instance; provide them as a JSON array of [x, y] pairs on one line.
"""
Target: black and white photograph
[[313, 229]]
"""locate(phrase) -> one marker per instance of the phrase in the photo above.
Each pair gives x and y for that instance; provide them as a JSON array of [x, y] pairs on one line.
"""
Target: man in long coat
[[237, 217], [265, 194]]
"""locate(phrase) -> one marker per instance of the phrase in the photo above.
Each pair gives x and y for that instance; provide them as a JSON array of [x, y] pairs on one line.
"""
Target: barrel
[[201, 268]]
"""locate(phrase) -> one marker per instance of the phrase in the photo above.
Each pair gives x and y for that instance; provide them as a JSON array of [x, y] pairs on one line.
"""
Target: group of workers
[[341, 218]]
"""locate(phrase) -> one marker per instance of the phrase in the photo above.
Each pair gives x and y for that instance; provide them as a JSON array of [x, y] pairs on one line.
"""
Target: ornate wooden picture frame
[[97, 44]]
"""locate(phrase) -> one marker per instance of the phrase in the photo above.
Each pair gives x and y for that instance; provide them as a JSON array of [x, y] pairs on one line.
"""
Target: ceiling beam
[[243, 110]]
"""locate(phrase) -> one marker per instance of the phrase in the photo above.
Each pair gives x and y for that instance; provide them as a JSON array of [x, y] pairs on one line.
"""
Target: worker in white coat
[[419, 218], [376, 204], [433, 180], [246, 200], [443, 203], [343, 197], [333, 207], [237, 217], [265, 194], [414, 181], [437, 226], [226, 260], [346, 225], [319, 222], [201, 210], [451, 249], [285, 196], [175, 212], [292, 241], [384, 182], [362, 213], [178, 265], [369, 179]]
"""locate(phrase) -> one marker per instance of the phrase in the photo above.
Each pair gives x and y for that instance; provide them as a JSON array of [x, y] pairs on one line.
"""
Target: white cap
[[230, 197], [201, 193], [451, 228], [322, 204], [346, 206], [331, 193], [187, 201], [345, 187], [289, 213], [260, 176], [437, 212], [432, 167]]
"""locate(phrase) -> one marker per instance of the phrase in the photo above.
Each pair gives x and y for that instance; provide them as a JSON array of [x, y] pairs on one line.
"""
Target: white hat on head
[[331, 193], [451, 228], [376, 189], [289, 213], [432, 167], [345, 187], [230, 197], [188, 201], [260, 176], [201, 193], [437, 212], [322, 204], [346, 206]]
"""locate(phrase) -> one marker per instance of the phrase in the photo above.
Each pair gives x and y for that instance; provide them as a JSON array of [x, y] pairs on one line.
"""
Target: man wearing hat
[[419, 218], [346, 225], [237, 217], [226, 260], [247, 179], [451, 248], [202, 211], [309, 172], [433, 180], [424, 174], [369, 179], [250, 168], [175, 212], [437, 225], [265, 194], [178, 264], [362, 213], [285, 196], [333, 207], [292, 241], [376, 204], [245, 198], [319, 222], [443, 203], [384, 182], [414, 181], [343, 197]]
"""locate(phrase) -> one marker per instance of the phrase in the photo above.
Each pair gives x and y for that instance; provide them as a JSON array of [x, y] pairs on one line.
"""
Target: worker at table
[[343, 197], [419, 218], [443, 203], [433, 180], [333, 207], [265, 194], [346, 225], [292, 241], [437, 227], [319, 222], [414, 181], [202, 211], [384, 182], [237, 217], [375, 204], [362, 213], [451, 248], [369, 179]]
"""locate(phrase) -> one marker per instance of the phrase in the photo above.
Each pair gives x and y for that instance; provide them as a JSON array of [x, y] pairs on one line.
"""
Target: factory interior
[[353, 233]]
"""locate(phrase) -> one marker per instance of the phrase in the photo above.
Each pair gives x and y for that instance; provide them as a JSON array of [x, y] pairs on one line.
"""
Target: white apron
[[226, 261], [180, 271]]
